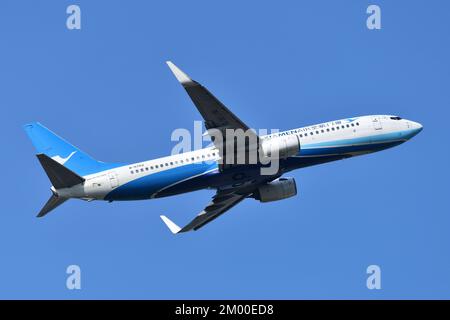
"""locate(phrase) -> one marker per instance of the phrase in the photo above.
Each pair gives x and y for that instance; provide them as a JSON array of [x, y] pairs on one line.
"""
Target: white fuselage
[[148, 179]]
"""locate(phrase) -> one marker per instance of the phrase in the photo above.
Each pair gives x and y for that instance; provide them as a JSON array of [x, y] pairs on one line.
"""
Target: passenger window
[[132, 172], [353, 124], [357, 123]]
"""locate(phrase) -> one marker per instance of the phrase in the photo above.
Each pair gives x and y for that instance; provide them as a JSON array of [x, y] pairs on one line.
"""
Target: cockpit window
[[396, 118]]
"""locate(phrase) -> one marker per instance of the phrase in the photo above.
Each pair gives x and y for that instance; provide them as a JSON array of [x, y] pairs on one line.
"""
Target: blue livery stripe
[[145, 187], [400, 135]]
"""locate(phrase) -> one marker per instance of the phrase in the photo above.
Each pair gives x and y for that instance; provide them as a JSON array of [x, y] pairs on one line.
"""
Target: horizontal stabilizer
[[51, 204], [59, 175]]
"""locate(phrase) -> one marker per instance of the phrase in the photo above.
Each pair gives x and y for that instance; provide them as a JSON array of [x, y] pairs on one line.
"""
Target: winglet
[[170, 224], [182, 77]]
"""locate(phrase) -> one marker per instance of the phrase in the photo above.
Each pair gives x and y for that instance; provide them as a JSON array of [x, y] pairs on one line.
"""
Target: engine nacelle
[[281, 147], [278, 189]]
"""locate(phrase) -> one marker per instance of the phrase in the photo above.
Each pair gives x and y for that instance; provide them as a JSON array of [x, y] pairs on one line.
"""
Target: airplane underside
[[207, 176]]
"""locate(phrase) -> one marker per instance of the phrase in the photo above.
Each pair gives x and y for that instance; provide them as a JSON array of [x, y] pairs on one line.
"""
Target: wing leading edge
[[215, 114]]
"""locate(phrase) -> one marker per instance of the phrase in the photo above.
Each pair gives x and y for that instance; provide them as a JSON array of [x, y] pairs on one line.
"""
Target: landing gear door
[[113, 180], [377, 124]]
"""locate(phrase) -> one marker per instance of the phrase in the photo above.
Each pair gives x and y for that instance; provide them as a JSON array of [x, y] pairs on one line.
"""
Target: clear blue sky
[[282, 64]]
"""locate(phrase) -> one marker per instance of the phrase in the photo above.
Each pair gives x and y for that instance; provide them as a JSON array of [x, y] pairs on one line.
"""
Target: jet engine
[[281, 147], [278, 189]]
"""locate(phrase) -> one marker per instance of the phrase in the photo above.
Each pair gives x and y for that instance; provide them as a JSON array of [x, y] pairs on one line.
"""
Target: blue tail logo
[[49, 143]]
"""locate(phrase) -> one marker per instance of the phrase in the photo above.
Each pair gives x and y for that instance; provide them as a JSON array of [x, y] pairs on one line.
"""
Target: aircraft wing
[[215, 114], [221, 202]]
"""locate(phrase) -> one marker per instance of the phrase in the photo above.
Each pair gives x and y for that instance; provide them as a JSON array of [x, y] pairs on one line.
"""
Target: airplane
[[75, 174]]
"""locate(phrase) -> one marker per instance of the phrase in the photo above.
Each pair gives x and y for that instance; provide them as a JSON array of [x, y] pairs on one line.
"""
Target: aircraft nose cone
[[414, 129], [417, 127]]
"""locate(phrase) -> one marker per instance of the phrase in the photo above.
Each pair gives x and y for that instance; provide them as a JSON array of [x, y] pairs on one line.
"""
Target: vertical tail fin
[[53, 146]]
